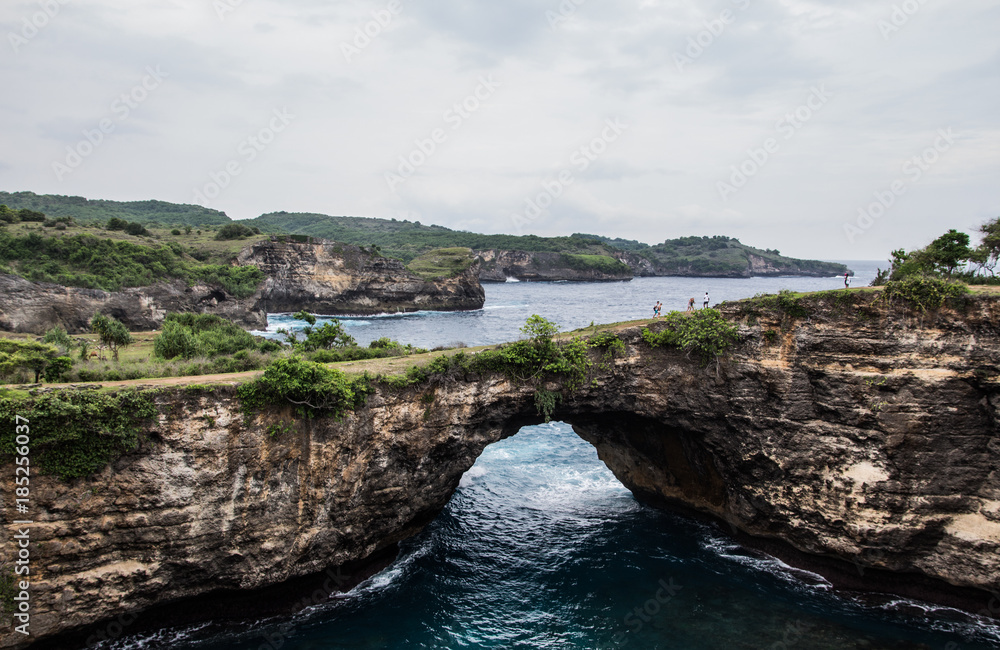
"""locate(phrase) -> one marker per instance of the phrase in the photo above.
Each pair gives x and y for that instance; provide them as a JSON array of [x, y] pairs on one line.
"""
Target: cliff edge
[[844, 430]]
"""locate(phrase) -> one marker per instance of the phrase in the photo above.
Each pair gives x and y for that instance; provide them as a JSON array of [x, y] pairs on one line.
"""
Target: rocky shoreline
[[319, 276]]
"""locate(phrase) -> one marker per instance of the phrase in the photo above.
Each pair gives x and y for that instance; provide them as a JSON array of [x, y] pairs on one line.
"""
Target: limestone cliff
[[329, 278], [319, 276], [856, 433], [34, 307], [498, 265]]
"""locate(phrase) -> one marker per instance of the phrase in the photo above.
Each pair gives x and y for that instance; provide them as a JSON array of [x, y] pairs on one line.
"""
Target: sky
[[830, 130]]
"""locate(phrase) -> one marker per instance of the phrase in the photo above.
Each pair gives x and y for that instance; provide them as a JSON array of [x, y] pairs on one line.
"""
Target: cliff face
[[323, 278], [498, 265], [33, 307], [337, 279], [856, 433]]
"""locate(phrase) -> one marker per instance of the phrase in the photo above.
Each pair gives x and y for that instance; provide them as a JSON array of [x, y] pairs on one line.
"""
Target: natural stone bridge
[[860, 441]]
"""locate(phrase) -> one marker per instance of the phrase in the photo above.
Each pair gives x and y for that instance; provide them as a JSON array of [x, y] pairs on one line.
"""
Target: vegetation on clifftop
[[716, 255], [102, 262], [442, 263], [76, 433]]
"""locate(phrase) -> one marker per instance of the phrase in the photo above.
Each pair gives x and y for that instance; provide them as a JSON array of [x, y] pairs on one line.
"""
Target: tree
[[32, 356], [987, 254], [136, 229], [328, 336], [949, 251], [114, 223], [539, 329], [111, 332]]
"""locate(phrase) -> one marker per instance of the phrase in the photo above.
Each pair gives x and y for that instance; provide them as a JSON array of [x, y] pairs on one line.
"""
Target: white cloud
[[610, 59]]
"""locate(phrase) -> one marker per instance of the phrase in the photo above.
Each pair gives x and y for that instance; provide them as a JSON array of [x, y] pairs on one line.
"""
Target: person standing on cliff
[[691, 305], [656, 309], [847, 280], [705, 304]]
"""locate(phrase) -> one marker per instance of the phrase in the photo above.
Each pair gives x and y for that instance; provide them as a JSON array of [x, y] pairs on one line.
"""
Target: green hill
[[410, 239], [89, 210], [719, 255]]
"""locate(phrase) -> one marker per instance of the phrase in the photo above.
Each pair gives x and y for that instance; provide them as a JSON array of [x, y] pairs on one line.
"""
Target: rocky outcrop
[[855, 434], [333, 279], [34, 307], [499, 265], [319, 276]]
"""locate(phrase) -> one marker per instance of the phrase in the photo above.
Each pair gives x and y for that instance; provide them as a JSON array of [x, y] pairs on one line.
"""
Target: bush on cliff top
[[311, 388], [75, 433], [923, 292], [704, 332], [190, 335]]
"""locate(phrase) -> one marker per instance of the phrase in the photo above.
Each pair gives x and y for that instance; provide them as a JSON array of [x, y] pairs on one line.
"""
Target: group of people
[[658, 307]]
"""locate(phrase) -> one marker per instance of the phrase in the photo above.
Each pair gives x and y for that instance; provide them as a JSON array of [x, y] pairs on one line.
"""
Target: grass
[[442, 263], [598, 263], [205, 247]]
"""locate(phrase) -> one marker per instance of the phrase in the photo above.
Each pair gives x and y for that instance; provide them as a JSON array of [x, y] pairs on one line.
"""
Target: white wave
[[474, 472]]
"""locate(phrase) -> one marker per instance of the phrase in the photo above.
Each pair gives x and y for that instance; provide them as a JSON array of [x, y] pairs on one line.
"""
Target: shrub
[[924, 292], [187, 335], [58, 337], [235, 231], [136, 229], [17, 357], [704, 332], [312, 389], [77, 433]]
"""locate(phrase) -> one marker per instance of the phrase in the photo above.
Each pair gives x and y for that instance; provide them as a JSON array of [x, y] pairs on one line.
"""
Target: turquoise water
[[570, 304], [541, 547]]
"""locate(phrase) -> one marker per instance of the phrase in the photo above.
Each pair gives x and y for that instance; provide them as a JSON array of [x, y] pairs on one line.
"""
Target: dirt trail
[[386, 366]]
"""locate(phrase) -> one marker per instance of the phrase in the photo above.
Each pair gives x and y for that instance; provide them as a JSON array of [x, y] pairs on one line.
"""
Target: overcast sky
[[834, 130]]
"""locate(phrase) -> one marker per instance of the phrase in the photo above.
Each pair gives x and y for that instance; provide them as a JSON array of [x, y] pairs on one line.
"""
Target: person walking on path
[[691, 305], [705, 304], [656, 309]]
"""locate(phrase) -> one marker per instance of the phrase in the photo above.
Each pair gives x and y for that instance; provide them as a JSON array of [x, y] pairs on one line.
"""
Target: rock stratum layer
[[857, 434], [34, 307], [329, 278], [321, 277]]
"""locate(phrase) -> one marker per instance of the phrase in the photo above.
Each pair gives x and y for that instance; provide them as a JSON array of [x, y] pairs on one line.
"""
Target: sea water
[[541, 547]]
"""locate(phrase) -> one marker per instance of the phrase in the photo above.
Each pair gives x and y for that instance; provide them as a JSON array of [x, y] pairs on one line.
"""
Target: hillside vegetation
[[89, 210], [407, 240], [714, 255], [95, 257]]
